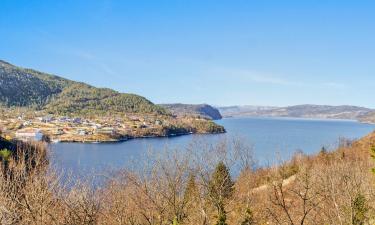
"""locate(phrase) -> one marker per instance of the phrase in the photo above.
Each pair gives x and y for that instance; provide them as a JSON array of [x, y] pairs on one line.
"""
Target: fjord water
[[271, 138]]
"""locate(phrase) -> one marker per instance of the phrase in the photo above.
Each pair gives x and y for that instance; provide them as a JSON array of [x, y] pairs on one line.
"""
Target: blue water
[[271, 138]]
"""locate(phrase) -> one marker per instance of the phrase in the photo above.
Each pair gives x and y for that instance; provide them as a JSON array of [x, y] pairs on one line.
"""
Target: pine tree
[[249, 219], [373, 157], [191, 189], [191, 196], [221, 184], [175, 221], [360, 209], [222, 219], [221, 189], [323, 150]]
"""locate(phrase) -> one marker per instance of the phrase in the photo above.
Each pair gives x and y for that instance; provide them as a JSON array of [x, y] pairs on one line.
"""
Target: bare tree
[[296, 202]]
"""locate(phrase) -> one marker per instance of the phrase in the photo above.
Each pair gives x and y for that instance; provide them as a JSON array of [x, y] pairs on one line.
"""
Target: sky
[[237, 52]]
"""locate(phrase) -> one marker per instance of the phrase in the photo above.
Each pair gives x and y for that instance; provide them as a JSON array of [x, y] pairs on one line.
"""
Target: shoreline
[[131, 138], [298, 118]]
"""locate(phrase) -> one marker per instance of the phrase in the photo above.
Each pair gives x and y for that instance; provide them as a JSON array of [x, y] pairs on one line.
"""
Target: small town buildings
[[105, 130], [82, 132], [27, 123], [64, 119], [142, 126], [46, 119], [134, 118], [77, 120], [59, 131], [96, 126], [29, 135]]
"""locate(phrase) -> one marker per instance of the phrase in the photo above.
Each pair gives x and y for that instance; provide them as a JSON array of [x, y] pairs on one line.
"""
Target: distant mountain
[[247, 110], [299, 111], [368, 118], [202, 110], [21, 87]]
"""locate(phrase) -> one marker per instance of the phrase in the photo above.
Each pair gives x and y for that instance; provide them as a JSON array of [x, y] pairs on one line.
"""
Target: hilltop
[[21, 87], [298, 111], [38, 104], [200, 110]]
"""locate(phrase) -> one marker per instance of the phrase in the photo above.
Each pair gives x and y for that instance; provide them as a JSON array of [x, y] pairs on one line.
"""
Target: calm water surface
[[271, 137]]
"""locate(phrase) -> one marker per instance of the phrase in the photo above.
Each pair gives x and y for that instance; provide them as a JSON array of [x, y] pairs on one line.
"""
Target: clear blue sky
[[212, 51]]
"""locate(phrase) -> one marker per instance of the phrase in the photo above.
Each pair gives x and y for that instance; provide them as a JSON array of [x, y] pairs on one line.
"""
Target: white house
[[105, 130], [81, 132], [29, 135]]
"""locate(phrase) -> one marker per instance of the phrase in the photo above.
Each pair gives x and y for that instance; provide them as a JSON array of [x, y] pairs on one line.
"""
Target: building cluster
[[65, 128]]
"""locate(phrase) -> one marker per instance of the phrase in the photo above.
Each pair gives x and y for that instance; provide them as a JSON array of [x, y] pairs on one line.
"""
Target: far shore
[[130, 138], [297, 118]]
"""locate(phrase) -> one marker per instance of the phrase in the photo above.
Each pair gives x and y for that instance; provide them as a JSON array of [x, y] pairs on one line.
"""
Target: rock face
[[299, 111], [202, 110], [21, 87]]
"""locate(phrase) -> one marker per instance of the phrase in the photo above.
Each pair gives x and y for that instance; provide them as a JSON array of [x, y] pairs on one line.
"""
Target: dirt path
[[265, 186]]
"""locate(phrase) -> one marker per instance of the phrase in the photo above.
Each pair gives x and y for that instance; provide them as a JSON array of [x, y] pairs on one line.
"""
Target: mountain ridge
[[200, 110], [299, 111]]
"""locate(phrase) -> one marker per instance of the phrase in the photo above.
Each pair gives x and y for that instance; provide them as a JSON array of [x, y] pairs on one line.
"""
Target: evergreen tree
[[373, 157], [191, 189], [249, 219], [191, 196], [323, 150], [222, 218], [220, 189], [221, 184], [175, 221], [360, 210]]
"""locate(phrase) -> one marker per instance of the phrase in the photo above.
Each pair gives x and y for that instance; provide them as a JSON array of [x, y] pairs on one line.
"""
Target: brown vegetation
[[194, 187]]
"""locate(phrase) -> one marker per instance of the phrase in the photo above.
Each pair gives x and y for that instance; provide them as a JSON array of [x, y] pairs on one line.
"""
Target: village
[[27, 125], [76, 129]]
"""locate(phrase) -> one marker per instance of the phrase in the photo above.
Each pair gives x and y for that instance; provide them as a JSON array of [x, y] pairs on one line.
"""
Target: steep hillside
[[21, 87], [299, 111], [30, 88], [202, 110]]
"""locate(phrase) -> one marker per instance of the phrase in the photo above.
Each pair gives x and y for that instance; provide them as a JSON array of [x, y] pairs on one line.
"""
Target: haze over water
[[271, 138]]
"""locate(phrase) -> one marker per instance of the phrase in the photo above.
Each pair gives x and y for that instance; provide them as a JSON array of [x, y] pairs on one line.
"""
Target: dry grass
[[173, 188]]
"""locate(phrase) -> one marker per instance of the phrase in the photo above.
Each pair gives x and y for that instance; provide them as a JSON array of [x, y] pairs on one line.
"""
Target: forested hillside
[[29, 88], [21, 87], [202, 110]]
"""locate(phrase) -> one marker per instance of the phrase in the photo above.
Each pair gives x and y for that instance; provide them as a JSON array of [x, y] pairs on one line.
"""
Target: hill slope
[[368, 118], [29, 88], [299, 111], [202, 110]]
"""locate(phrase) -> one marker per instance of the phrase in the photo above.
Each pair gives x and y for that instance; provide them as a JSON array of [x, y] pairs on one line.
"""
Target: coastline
[[124, 139], [298, 118], [128, 138]]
